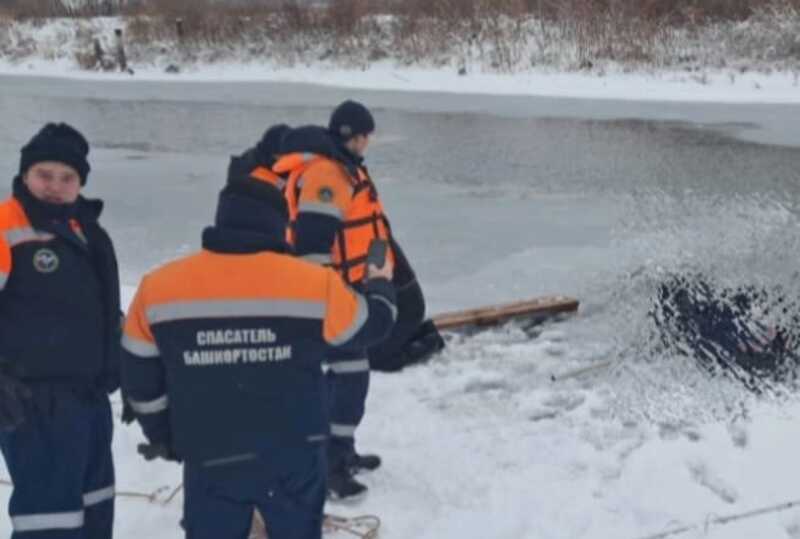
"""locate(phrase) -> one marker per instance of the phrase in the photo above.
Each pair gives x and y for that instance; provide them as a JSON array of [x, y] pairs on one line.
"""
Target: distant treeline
[[495, 35], [339, 11]]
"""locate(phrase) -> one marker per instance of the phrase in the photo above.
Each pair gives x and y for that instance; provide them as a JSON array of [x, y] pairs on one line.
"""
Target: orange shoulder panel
[[291, 162], [136, 325], [12, 216], [209, 276], [5, 262], [266, 175], [326, 182]]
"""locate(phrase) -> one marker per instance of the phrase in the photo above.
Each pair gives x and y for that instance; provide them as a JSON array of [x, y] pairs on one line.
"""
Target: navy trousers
[[61, 466], [287, 487], [349, 371], [348, 385]]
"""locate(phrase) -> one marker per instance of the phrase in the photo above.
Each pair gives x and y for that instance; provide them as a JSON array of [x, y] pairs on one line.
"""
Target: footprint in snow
[[705, 478], [482, 386], [565, 401]]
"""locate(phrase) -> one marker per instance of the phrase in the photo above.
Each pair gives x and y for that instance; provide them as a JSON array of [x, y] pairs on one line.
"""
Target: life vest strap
[[349, 264], [355, 223]]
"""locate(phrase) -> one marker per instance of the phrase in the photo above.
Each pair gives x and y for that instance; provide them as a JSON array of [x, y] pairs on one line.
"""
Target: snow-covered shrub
[[467, 35]]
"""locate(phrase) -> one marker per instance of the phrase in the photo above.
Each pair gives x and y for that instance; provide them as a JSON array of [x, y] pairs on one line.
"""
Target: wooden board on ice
[[537, 309]]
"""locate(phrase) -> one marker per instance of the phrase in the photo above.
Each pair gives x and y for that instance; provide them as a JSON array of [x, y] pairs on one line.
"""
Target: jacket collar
[[236, 241], [318, 140], [42, 213]]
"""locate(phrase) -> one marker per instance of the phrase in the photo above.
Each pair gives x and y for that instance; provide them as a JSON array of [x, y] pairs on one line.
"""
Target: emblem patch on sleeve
[[45, 261], [325, 194]]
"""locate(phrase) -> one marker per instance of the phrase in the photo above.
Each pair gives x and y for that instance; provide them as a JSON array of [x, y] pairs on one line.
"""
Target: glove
[[157, 451], [128, 415], [426, 342], [423, 345], [14, 396]]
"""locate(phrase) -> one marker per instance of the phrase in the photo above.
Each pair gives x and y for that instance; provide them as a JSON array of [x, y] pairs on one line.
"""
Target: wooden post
[[122, 59]]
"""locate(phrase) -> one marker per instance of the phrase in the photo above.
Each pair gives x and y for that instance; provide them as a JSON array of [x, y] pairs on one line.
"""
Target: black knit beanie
[[270, 144], [251, 205], [57, 142], [351, 119]]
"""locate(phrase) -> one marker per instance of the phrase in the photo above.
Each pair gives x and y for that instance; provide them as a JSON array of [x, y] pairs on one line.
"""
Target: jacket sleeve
[[358, 320], [116, 319], [322, 205], [411, 312], [143, 373]]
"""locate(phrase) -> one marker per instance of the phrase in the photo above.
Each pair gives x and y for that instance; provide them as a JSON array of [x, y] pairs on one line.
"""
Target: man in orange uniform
[[222, 354], [335, 214]]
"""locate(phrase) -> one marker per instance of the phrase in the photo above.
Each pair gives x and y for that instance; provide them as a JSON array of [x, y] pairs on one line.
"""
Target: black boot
[[363, 463], [343, 487]]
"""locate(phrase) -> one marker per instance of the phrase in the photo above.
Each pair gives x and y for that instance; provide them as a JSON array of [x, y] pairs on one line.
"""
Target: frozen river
[[494, 199], [471, 182]]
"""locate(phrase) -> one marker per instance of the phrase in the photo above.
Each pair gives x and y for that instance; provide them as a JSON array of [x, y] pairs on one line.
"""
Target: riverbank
[[756, 61]]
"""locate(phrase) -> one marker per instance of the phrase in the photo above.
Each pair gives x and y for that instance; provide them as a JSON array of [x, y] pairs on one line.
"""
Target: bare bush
[[493, 35], [32, 9], [771, 34]]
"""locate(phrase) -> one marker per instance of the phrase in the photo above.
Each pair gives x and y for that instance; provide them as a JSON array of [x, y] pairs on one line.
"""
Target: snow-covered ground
[[482, 444], [713, 87]]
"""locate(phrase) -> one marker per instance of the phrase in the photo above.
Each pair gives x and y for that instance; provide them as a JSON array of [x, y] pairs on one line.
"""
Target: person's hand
[[156, 451], [128, 415], [386, 272]]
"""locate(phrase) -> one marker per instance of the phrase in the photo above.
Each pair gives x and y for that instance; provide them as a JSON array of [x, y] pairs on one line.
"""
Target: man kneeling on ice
[[222, 365], [739, 332]]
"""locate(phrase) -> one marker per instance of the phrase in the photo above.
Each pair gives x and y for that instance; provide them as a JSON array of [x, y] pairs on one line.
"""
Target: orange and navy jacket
[[222, 349], [334, 208], [59, 293]]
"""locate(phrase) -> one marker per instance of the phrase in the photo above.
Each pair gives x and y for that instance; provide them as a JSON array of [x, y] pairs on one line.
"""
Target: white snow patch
[[480, 443], [719, 87]]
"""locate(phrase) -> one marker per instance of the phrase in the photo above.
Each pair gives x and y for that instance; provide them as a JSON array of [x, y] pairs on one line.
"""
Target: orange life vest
[[363, 217]]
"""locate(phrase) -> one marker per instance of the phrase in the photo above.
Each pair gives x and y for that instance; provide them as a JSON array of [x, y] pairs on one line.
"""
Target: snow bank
[[717, 88]]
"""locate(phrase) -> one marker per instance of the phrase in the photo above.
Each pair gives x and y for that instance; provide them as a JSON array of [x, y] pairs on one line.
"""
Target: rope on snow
[[152, 497], [712, 520], [363, 527]]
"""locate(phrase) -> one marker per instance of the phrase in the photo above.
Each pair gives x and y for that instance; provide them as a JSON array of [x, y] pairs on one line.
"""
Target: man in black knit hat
[[335, 214], [59, 344], [222, 366]]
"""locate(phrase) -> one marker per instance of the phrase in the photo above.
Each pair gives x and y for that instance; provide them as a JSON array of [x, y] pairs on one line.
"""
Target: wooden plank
[[538, 308]]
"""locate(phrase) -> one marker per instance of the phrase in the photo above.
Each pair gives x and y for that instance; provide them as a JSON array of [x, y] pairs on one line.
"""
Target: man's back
[[222, 366], [241, 337]]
